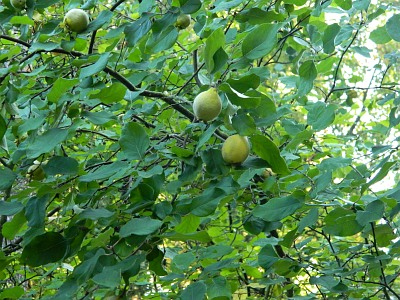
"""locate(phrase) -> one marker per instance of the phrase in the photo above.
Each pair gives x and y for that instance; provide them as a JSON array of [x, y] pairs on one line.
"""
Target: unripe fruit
[[183, 21], [18, 4], [36, 172], [76, 20], [235, 149], [207, 105]]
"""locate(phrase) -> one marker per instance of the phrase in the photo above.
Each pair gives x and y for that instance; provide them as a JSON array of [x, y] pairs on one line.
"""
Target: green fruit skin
[[182, 22], [77, 20], [235, 149], [19, 4], [207, 105]]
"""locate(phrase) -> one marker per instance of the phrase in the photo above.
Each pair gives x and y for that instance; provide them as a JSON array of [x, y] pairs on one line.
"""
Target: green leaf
[[345, 4], [277, 209], [99, 117], [296, 2], [195, 291], [134, 141], [3, 127], [7, 179], [46, 142], [16, 20], [102, 18], [10, 208], [218, 288], [162, 40], [373, 212], [320, 115], [380, 36], [111, 94], [215, 42], [137, 29], [342, 222], [307, 73], [267, 256], [200, 236], [260, 41], [244, 124], [267, 150], [190, 6], [95, 68], [12, 228], [109, 278], [140, 226], [35, 211], [392, 27], [43, 249], [308, 220], [105, 171], [15, 292], [95, 213], [329, 37], [61, 165], [384, 170]]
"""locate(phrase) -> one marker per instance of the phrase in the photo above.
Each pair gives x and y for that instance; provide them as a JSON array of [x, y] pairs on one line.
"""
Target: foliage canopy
[[134, 199]]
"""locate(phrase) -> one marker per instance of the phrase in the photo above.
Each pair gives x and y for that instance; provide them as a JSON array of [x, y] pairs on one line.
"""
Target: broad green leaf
[[260, 41], [10, 208], [99, 117], [102, 18], [3, 127], [373, 212], [46, 142], [298, 139], [109, 278], [267, 256], [60, 87], [392, 27], [218, 288], [140, 226], [182, 261], [11, 228], [329, 37], [215, 42], [104, 171], [7, 179], [308, 220], [342, 222], [277, 209], [320, 115], [225, 5], [15, 292], [95, 68], [384, 235], [361, 4], [156, 261], [188, 224], [16, 20], [380, 36], [134, 141], [137, 29], [43, 249], [162, 40], [307, 73], [190, 6], [61, 165], [267, 150], [95, 213], [345, 4], [35, 211], [111, 94], [244, 124], [384, 170], [195, 291], [244, 83], [296, 2], [200, 236]]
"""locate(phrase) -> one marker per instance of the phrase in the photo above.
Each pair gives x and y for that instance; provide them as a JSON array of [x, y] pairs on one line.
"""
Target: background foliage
[[111, 188]]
